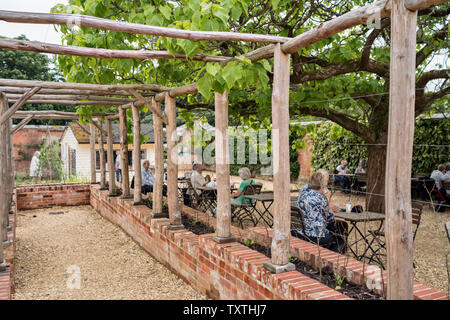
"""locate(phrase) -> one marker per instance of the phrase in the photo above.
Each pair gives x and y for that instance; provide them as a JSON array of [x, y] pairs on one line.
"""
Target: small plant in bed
[[195, 226], [326, 276]]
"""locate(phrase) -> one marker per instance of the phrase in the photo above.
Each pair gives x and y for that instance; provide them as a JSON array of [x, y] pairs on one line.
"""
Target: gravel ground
[[51, 248]]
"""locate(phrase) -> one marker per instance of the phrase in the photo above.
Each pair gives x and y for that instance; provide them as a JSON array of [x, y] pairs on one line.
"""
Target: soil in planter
[[328, 277], [195, 226], [149, 203]]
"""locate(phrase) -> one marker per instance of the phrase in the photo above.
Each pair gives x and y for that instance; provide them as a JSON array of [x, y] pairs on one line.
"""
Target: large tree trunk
[[376, 166]]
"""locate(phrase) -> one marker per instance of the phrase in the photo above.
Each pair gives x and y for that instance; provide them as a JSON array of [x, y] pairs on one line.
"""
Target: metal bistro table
[[266, 198], [353, 218]]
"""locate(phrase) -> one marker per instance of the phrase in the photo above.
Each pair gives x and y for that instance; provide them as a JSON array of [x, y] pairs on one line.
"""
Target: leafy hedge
[[331, 144]]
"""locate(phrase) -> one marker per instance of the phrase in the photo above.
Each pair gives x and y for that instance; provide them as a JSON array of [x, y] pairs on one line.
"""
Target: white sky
[[35, 32]]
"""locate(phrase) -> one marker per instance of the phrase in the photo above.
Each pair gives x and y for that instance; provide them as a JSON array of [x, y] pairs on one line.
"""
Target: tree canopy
[[343, 78]]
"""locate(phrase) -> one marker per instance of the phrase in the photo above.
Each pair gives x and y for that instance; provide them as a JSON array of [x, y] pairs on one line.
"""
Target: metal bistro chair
[[360, 182], [298, 223], [380, 239], [195, 198], [244, 212]]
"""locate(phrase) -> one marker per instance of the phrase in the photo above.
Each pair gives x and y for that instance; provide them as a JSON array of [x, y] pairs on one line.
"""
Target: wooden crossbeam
[[36, 46], [16, 90], [72, 103], [134, 28], [81, 86], [20, 102], [52, 114], [80, 98]]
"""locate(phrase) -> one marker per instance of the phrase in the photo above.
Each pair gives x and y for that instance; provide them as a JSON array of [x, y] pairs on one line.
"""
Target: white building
[[75, 150]]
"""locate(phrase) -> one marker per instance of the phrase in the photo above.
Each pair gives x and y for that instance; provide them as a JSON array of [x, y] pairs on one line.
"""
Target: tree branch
[[340, 118]]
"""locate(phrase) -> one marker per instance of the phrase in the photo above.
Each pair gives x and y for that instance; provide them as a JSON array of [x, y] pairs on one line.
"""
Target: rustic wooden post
[[4, 171], [159, 162], [92, 149], [137, 195], [110, 155], [13, 167], [9, 170], [399, 244], [101, 151], [223, 230], [172, 164], [281, 174], [124, 154]]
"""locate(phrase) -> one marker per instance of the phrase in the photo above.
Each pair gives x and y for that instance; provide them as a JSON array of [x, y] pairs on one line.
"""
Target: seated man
[[361, 168], [345, 181], [147, 178], [320, 226], [197, 180], [439, 175]]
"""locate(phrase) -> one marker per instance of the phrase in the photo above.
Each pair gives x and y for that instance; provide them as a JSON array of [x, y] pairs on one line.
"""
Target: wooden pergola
[[403, 15]]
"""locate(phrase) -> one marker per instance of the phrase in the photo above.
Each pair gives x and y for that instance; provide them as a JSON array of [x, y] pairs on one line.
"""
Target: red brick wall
[[27, 140], [44, 196]]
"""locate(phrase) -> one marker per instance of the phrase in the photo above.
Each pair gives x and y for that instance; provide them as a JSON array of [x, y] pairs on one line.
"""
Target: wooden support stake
[[110, 155], [20, 102], [137, 195], [281, 172], [92, 148], [101, 151], [159, 162], [21, 124], [399, 246], [9, 166], [172, 164], [142, 101], [223, 230], [99, 127], [3, 171], [124, 154]]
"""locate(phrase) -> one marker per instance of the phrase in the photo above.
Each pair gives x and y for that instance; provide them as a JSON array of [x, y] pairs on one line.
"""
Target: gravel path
[[52, 247]]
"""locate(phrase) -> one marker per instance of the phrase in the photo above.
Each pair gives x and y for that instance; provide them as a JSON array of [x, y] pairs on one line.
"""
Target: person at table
[[118, 167], [197, 179], [237, 197], [438, 176], [447, 177], [318, 213], [148, 179], [361, 168], [209, 182], [342, 169]]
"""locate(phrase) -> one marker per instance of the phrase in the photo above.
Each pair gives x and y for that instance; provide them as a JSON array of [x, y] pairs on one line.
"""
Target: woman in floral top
[[320, 226]]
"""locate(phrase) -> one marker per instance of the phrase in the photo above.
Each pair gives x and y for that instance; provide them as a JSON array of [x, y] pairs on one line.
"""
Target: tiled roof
[[83, 137]]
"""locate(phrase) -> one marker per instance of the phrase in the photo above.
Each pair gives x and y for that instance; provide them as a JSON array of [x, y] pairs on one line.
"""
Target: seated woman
[[320, 226], [238, 197]]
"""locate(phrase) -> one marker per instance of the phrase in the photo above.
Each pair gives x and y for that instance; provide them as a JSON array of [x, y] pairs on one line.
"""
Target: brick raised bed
[[221, 271], [45, 196]]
